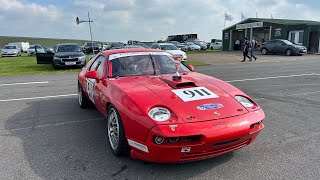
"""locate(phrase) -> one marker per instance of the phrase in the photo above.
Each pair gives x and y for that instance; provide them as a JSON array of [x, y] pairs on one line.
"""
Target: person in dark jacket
[[246, 45]]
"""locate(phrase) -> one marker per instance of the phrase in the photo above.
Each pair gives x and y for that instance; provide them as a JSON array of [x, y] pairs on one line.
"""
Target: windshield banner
[[115, 56]]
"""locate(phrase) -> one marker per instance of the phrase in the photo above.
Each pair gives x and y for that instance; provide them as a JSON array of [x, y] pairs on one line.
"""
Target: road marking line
[[43, 97], [49, 125], [311, 92], [25, 83], [274, 77]]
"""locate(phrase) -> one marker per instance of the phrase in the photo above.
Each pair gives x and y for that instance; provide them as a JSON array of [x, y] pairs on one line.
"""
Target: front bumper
[[59, 63], [9, 54], [216, 137], [300, 51]]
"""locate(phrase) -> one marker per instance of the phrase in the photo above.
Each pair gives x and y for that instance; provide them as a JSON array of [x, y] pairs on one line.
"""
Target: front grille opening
[[226, 142]]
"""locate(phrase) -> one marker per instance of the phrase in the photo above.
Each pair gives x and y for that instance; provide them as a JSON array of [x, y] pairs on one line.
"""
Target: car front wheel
[[264, 51], [288, 52], [116, 135]]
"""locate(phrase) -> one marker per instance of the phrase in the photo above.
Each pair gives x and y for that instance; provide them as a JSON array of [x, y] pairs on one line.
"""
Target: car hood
[[148, 92], [299, 46], [69, 54], [175, 52]]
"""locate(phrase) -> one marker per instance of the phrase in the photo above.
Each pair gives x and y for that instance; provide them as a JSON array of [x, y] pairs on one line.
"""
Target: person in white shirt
[[252, 47]]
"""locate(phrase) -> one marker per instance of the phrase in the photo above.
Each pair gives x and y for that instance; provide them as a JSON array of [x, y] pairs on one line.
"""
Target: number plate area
[[70, 63], [193, 94]]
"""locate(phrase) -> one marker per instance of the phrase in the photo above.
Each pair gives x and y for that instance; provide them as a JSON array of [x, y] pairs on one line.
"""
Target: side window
[[153, 46], [94, 65], [101, 60]]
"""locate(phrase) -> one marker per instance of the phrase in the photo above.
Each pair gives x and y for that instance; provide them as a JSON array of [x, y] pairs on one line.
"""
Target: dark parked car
[[281, 46], [114, 46], [64, 55], [142, 44], [88, 46]]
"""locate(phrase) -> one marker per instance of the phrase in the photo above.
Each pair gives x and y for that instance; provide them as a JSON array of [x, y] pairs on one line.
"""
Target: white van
[[24, 46]]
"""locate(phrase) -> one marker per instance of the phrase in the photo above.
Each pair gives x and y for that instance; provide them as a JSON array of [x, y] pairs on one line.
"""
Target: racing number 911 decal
[[90, 89], [193, 94]]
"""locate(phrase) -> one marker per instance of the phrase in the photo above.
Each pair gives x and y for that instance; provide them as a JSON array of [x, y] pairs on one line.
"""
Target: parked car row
[[63, 55]]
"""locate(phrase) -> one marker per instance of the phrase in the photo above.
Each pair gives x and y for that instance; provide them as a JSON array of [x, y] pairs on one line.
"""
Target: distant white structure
[[24, 46]]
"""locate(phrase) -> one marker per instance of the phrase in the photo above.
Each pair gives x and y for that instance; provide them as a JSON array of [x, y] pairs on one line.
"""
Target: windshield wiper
[[153, 65]]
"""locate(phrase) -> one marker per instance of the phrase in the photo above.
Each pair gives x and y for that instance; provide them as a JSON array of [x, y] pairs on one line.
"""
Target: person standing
[[252, 48], [245, 49]]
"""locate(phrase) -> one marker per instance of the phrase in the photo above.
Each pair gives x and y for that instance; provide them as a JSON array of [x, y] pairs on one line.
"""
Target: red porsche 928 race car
[[161, 111]]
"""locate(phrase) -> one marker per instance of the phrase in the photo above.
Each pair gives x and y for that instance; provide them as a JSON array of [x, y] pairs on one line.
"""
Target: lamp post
[[78, 21]]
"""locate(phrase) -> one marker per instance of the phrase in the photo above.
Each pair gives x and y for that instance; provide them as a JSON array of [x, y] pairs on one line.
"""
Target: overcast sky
[[145, 20]]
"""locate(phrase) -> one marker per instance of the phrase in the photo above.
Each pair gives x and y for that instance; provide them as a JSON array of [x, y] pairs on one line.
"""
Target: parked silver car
[[216, 46], [10, 50], [172, 49], [192, 46]]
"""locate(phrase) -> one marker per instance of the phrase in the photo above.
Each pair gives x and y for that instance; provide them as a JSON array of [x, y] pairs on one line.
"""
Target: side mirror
[[190, 67], [92, 75]]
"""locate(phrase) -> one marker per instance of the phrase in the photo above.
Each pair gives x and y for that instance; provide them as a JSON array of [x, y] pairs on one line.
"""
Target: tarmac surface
[[44, 134]]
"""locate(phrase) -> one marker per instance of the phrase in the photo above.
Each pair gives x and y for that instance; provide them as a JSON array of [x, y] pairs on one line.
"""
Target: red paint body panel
[[231, 126]]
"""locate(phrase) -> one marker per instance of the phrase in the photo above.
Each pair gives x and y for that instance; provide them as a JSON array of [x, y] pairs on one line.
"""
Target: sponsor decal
[[219, 123], [90, 89], [119, 55], [186, 149], [193, 94], [173, 127], [137, 145], [209, 106], [216, 113], [189, 117]]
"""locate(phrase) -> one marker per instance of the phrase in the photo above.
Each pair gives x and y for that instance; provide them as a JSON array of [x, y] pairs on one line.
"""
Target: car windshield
[[132, 47], [168, 47], [200, 42], [68, 48], [190, 43], [10, 47], [288, 42], [145, 64], [142, 44]]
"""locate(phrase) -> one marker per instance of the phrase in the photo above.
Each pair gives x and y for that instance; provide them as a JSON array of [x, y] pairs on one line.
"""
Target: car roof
[[116, 51]]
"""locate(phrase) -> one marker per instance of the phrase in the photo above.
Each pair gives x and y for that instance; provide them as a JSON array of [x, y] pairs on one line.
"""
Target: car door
[[99, 86], [279, 47], [91, 83], [43, 57]]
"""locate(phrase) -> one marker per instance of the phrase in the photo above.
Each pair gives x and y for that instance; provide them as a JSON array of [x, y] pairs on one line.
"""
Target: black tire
[[211, 48], [264, 51], [289, 52], [82, 98], [120, 147]]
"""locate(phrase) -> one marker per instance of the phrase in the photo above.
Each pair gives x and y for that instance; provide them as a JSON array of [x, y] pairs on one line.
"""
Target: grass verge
[[27, 65]]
